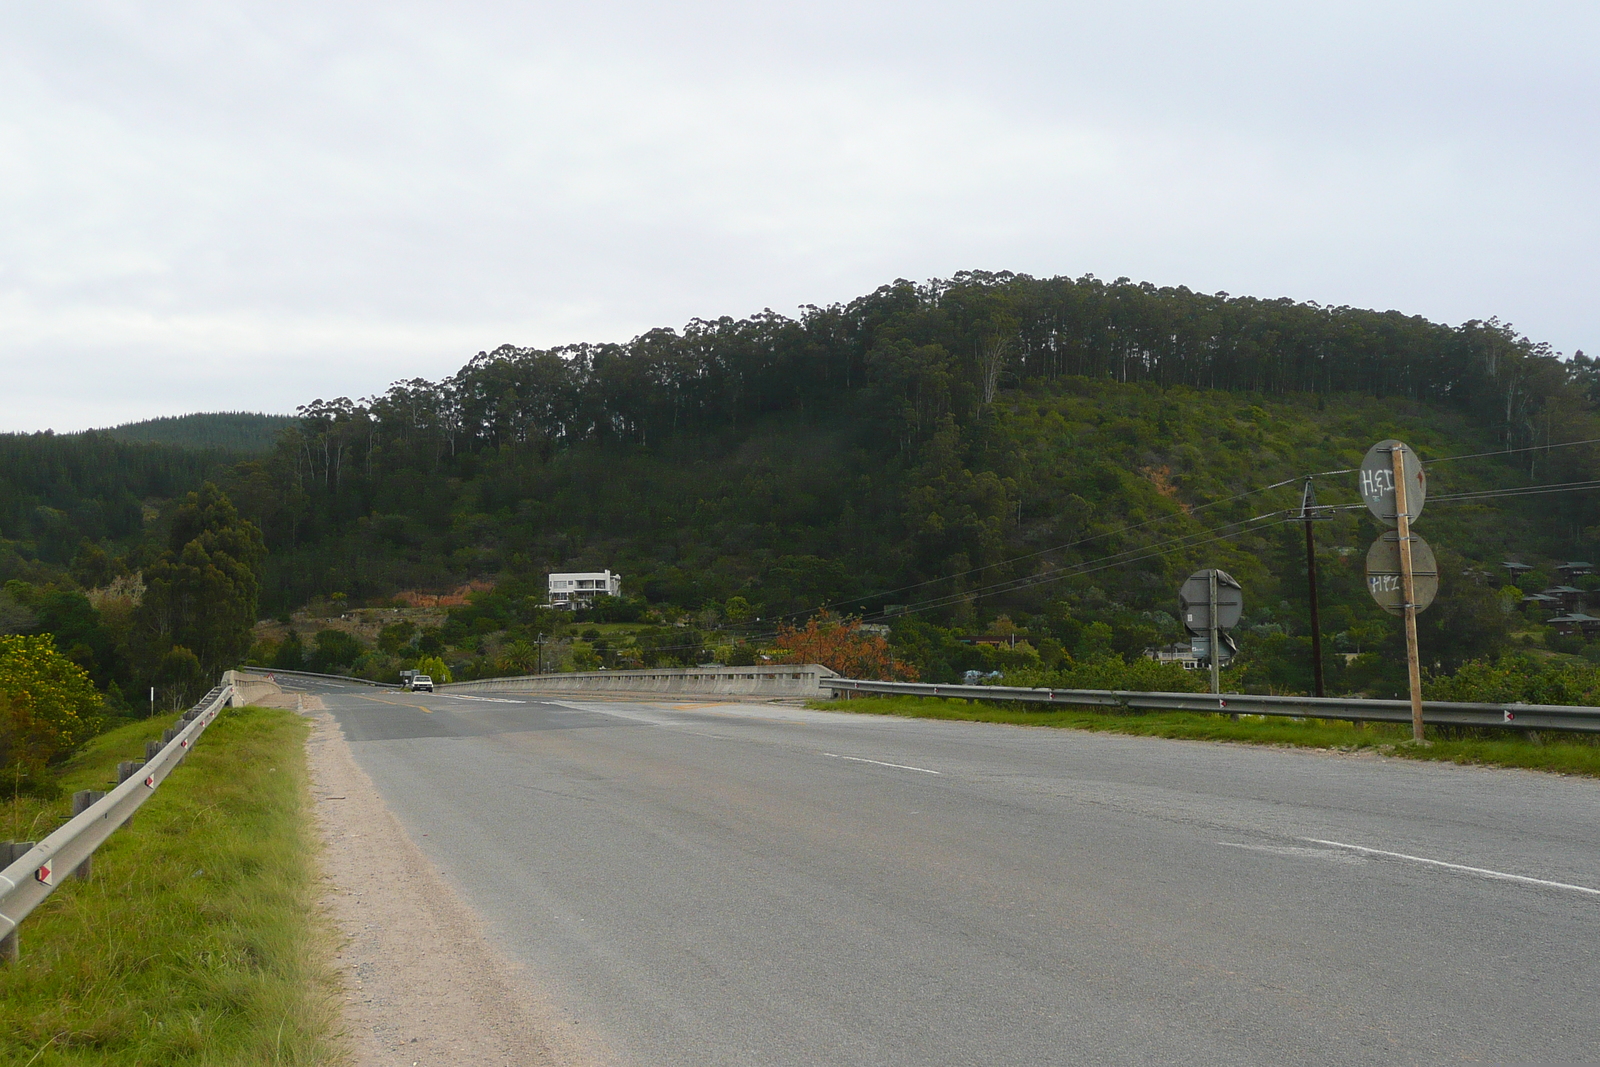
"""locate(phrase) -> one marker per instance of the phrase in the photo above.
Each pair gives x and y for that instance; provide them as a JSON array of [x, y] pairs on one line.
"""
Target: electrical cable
[[1134, 555], [1048, 579], [1092, 566], [1482, 494], [1525, 490], [1175, 544], [1044, 551], [1510, 451]]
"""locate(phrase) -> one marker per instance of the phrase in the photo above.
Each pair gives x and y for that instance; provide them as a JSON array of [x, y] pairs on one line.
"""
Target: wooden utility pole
[[1407, 587], [1311, 578], [1216, 653]]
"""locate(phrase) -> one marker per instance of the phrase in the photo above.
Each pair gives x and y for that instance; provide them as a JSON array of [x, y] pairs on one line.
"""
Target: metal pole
[[1216, 667], [1311, 578], [1407, 589]]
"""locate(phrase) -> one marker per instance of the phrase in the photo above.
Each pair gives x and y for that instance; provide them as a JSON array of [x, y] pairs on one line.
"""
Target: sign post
[[1394, 486], [1216, 660], [1408, 587], [1212, 603]]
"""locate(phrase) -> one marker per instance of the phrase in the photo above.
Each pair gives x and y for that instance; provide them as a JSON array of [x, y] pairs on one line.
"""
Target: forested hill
[[107, 486], [234, 431], [59, 490], [979, 446], [909, 435]]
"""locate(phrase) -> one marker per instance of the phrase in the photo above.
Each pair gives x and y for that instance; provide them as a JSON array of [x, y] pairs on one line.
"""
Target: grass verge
[[197, 939], [1563, 753]]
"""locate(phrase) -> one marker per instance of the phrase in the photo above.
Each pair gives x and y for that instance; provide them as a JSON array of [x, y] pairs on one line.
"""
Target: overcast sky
[[216, 205]]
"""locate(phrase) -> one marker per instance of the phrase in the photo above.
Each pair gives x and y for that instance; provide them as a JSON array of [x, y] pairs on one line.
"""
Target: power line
[[1187, 513], [1510, 451], [1483, 494], [1525, 490], [1160, 548], [1183, 542], [1134, 555], [1093, 566]]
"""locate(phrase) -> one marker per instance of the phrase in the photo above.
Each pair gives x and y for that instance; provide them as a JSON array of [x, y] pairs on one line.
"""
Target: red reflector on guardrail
[[150, 781], [46, 874]]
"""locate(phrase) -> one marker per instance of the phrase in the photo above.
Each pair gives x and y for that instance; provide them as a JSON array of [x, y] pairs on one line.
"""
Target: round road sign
[[1195, 599], [1383, 572], [1377, 482]]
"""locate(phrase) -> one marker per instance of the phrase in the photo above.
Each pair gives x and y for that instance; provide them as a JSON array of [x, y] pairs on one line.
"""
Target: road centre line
[[880, 763], [1482, 872], [399, 703]]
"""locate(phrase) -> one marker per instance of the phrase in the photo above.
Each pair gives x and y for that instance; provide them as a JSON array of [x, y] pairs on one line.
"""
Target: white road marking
[[486, 700], [1310, 853], [1482, 872], [880, 763]]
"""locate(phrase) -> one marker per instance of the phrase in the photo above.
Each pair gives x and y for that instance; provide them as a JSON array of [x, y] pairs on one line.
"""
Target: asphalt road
[[708, 884]]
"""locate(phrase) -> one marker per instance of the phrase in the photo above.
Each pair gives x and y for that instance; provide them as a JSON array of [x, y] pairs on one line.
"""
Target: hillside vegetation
[[231, 431], [1034, 460]]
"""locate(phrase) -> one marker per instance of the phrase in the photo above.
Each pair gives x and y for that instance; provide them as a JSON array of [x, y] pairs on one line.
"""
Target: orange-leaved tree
[[840, 645]]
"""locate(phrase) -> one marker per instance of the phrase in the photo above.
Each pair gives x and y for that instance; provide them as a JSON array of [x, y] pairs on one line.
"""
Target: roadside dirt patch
[[424, 985]]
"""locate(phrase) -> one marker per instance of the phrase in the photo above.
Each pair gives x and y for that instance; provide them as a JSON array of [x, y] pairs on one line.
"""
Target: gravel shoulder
[[423, 983]]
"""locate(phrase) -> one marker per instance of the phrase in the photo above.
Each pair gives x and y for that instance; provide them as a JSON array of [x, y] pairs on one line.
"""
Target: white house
[[579, 588], [1181, 654]]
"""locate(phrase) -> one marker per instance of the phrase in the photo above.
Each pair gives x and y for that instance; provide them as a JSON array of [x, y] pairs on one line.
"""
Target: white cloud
[[225, 205]]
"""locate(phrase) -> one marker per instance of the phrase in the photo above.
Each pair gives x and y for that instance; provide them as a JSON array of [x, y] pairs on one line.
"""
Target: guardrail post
[[125, 770], [152, 749], [11, 852], [82, 801]]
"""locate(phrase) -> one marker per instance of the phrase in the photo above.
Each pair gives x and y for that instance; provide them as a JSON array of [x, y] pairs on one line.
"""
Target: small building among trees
[[1577, 623], [577, 589]]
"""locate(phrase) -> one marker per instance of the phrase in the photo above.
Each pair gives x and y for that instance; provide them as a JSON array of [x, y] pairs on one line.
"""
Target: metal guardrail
[[32, 877], [1435, 712], [270, 671], [775, 680]]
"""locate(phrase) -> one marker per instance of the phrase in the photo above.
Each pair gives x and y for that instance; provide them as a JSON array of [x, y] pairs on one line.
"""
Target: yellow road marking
[[400, 704]]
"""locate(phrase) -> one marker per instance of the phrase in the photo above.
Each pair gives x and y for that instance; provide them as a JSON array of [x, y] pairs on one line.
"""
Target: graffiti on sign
[[1384, 580], [1377, 482]]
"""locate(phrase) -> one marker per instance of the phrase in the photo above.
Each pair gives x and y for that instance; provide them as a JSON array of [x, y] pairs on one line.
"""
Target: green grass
[[1557, 752], [198, 940]]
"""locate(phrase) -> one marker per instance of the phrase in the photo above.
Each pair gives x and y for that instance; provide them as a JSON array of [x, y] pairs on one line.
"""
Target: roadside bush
[[334, 649], [180, 676], [48, 706], [291, 654], [396, 636], [434, 668], [1515, 679], [613, 609], [1571, 644], [1113, 672], [839, 645]]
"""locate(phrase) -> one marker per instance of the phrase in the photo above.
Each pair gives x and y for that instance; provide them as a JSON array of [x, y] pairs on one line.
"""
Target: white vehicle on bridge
[[420, 682]]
